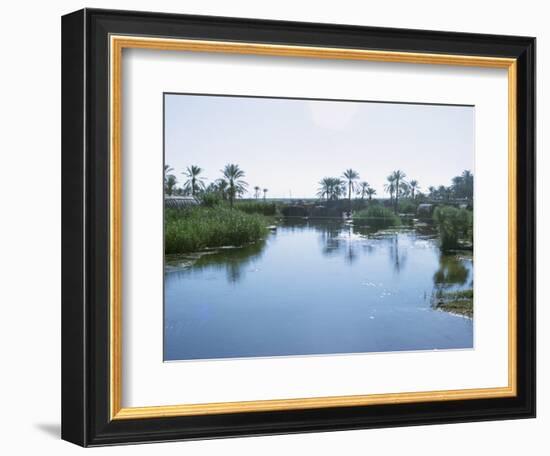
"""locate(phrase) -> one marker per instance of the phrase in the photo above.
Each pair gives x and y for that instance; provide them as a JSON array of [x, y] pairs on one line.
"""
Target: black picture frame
[[85, 225]]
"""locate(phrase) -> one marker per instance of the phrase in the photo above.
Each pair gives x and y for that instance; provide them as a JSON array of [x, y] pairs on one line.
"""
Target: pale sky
[[290, 145]]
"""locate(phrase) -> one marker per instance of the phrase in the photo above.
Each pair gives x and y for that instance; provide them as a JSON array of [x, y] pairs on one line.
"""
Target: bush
[[376, 216], [256, 207], [454, 225], [406, 207], [194, 229], [210, 199]]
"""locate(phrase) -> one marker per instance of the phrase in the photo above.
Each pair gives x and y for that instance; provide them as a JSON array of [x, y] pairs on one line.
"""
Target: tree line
[[230, 186], [333, 188]]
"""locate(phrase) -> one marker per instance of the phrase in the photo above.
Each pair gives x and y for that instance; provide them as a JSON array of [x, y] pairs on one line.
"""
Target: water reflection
[[233, 261], [349, 241], [452, 271]]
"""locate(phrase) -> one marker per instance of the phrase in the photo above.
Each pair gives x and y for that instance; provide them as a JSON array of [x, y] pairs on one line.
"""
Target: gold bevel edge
[[115, 246], [234, 47], [512, 226], [120, 42], [308, 403]]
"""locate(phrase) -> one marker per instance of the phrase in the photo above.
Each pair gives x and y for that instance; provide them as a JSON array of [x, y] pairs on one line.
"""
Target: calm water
[[315, 288]]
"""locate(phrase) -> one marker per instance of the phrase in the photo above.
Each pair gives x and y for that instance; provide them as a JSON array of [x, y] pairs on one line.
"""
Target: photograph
[[301, 227], [285, 224]]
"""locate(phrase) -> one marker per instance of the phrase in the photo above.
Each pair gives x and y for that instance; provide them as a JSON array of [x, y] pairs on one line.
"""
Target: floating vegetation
[[456, 302]]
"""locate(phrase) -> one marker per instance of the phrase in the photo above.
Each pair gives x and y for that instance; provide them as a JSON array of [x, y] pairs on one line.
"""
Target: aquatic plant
[[458, 302], [455, 227], [197, 228], [376, 216]]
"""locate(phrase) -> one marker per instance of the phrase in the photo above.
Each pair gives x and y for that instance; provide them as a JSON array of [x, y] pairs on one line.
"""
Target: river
[[315, 287]]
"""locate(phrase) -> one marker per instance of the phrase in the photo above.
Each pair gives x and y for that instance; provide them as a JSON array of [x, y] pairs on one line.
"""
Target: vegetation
[[169, 180], [390, 187], [257, 207], [455, 227], [406, 206], [211, 199], [370, 193], [462, 188], [362, 189], [400, 185], [458, 302], [351, 176], [414, 187], [170, 184], [197, 228], [235, 185], [194, 181], [330, 188], [339, 195], [376, 216], [256, 192]]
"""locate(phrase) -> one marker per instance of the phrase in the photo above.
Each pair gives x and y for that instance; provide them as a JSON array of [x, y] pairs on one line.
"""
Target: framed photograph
[[278, 227]]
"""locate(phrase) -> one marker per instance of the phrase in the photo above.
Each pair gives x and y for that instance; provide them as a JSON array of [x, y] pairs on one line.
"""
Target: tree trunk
[[396, 195]]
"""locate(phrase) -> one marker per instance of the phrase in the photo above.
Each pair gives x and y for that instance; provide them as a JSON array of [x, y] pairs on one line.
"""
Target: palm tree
[[363, 189], [265, 192], [256, 192], [399, 177], [414, 187], [330, 188], [221, 188], [443, 192], [233, 175], [350, 175], [405, 189], [371, 192], [390, 187], [167, 170], [194, 182], [168, 177], [469, 183], [170, 184], [324, 190]]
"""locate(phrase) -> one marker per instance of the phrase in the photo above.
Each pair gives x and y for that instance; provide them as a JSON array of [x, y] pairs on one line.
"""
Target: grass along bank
[[457, 302], [198, 228]]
